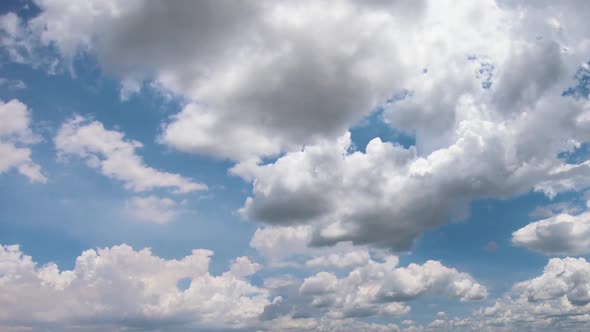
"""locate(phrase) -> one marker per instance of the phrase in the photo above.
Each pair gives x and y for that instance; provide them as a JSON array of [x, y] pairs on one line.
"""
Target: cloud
[[376, 289], [15, 138], [12, 84], [119, 287], [123, 288], [557, 300], [381, 289], [388, 195], [115, 157], [152, 209], [561, 234], [289, 247], [307, 86], [257, 83], [242, 267]]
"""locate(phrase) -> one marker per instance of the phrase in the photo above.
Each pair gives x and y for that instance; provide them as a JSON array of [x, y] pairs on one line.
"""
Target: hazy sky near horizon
[[296, 165]]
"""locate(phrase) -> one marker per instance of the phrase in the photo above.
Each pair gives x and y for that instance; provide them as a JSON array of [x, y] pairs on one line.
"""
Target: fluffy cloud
[[322, 82], [558, 300], [257, 83], [152, 209], [286, 323], [389, 195], [115, 157], [119, 287], [289, 247], [15, 137], [307, 85], [380, 289], [473, 140], [562, 234]]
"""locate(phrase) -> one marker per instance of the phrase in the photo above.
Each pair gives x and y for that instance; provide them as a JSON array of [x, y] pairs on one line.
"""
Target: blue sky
[[383, 166]]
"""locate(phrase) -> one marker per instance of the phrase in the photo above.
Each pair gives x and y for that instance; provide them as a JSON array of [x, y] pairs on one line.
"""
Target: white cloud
[[374, 289], [289, 247], [242, 267], [306, 86], [115, 157], [258, 83], [389, 195], [119, 287], [561, 234], [15, 138], [557, 300], [287, 323], [381, 289], [152, 209]]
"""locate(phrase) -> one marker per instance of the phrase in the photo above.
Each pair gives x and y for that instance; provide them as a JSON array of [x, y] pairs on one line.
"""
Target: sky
[[346, 165]]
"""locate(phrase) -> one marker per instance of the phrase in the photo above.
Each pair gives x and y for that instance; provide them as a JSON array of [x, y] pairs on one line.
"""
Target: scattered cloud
[[16, 137], [115, 157], [561, 234], [121, 287]]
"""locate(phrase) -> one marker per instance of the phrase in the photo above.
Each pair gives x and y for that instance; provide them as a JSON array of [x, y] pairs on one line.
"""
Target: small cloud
[[491, 246], [12, 84], [152, 209]]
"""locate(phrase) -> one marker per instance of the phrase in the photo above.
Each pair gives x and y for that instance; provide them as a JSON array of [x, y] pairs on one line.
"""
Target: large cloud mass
[[120, 287], [494, 95], [257, 83]]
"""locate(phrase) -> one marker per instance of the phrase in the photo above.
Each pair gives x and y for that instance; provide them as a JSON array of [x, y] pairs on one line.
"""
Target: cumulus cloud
[[289, 247], [15, 138], [472, 141], [243, 267], [380, 289], [557, 300], [257, 83], [119, 287], [306, 86], [376, 289], [115, 157], [561, 234], [388, 195]]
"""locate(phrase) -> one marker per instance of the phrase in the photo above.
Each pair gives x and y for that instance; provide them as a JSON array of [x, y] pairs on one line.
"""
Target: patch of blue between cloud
[[578, 155], [485, 72], [373, 126], [183, 284], [581, 89]]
